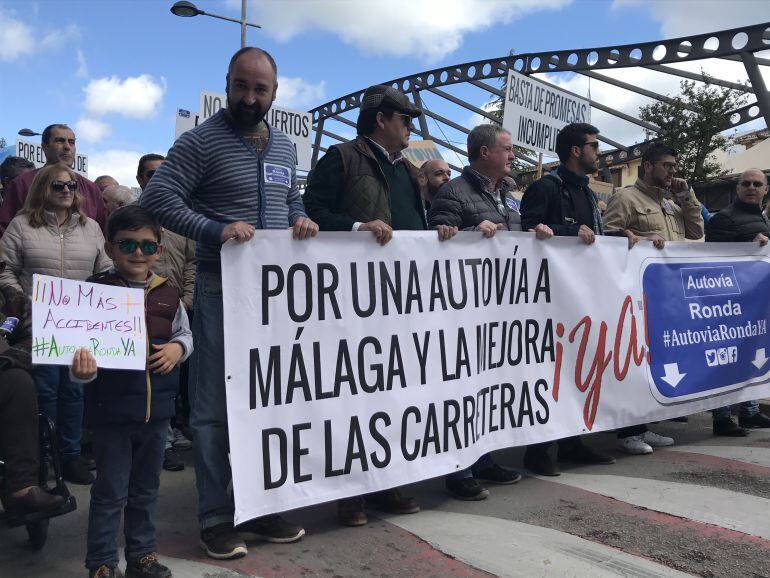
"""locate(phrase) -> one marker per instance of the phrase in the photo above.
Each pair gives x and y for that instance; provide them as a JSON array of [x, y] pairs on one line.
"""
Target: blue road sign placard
[[707, 326]]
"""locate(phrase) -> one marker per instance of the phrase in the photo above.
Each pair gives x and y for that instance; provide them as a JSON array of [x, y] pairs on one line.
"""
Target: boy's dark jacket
[[127, 396]]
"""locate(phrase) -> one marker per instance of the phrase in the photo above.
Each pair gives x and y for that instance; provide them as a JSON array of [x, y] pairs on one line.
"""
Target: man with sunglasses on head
[[658, 207], [563, 201], [58, 142], [741, 222]]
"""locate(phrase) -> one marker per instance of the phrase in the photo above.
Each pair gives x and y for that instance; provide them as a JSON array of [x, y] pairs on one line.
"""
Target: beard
[[246, 117]]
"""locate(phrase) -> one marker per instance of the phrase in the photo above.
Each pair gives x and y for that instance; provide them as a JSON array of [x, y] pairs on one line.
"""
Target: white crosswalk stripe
[[724, 508], [508, 548]]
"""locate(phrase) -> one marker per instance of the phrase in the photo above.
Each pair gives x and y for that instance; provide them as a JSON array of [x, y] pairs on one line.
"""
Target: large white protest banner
[[295, 124], [108, 321], [33, 152], [535, 112], [353, 367]]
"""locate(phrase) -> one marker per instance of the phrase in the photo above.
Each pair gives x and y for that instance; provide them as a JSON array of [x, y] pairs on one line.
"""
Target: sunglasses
[[755, 184], [594, 145], [149, 174], [58, 186], [405, 118], [129, 246]]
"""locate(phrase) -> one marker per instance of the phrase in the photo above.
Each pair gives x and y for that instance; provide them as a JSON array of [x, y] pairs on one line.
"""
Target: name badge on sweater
[[277, 174]]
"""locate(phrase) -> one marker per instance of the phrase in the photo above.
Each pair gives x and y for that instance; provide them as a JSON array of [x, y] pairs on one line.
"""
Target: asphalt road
[[699, 508]]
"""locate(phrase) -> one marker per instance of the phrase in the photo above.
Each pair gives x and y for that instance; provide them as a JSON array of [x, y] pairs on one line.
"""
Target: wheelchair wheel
[[38, 533]]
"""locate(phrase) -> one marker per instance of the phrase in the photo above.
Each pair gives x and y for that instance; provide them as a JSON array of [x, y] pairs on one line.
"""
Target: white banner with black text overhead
[[353, 367]]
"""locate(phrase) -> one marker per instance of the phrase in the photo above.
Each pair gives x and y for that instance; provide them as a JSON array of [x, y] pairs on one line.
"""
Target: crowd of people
[[222, 181]]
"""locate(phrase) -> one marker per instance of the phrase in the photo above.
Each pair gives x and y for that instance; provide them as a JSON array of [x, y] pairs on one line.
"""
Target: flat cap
[[384, 95]]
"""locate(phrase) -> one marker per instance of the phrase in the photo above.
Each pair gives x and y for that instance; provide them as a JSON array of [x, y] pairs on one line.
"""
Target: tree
[[694, 125], [3, 144]]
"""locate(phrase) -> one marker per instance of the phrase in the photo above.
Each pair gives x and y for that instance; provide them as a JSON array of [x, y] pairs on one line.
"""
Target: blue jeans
[[208, 407], [128, 462], [747, 409], [61, 400], [483, 462]]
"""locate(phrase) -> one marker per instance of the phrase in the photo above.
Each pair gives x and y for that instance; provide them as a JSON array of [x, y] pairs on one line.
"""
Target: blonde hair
[[35, 205]]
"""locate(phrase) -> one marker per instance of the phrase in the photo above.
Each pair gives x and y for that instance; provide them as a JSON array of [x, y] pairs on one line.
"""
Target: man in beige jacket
[[177, 264], [658, 207]]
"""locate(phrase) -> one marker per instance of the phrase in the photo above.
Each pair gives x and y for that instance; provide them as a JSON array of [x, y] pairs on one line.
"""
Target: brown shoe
[[393, 502], [36, 500], [352, 511]]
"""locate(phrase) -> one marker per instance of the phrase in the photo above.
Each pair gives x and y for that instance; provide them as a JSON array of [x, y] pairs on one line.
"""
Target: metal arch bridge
[[737, 44]]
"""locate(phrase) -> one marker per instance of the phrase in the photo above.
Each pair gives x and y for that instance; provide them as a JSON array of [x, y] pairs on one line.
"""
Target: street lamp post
[[28, 132], [188, 10]]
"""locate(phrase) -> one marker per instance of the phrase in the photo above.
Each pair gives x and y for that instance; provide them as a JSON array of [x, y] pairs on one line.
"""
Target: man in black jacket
[[743, 221], [563, 201], [480, 200]]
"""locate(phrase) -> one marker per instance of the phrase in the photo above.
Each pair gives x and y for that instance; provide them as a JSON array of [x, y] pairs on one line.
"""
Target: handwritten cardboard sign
[[109, 321]]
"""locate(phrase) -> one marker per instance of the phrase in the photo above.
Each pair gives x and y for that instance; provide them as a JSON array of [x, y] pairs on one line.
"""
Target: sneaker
[[147, 567], [104, 571], [656, 440], [180, 441], [352, 511], [496, 474], [75, 471], [728, 428], [393, 502], [222, 542], [756, 420], [582, 454], [272, 528], [634, 445], [540, 463], [467, 489], [171, 461]]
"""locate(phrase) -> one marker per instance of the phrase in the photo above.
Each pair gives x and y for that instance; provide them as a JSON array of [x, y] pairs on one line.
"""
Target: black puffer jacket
[[463, 203], [738, 223]]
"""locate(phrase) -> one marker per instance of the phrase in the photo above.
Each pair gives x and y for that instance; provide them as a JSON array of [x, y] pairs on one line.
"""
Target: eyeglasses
[[755, 184], [129, 246], [594, 145], [149, 174], [405, 118], [668, 165], [58, 186]]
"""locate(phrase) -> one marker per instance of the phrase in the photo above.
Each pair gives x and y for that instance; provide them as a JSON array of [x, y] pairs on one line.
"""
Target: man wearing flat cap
[[366, 185]]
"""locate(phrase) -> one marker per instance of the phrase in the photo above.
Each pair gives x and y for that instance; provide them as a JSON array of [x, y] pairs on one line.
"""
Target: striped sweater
[[212, 177]]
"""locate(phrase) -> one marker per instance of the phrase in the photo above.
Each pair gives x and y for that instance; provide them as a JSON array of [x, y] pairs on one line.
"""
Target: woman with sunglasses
[[51, 236]]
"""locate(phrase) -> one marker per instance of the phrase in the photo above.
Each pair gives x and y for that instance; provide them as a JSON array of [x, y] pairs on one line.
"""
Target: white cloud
[[296, 93], [82, 70], [429, 29], [134, 97], [91, 130], [16, 37], [685, 17], [119, 164]]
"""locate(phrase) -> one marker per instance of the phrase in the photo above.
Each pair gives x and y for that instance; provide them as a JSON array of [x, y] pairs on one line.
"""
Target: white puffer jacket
[[73, 251]]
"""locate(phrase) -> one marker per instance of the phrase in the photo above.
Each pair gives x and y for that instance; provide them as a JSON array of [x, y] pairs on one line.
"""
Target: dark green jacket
[[347, 185]]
